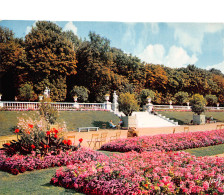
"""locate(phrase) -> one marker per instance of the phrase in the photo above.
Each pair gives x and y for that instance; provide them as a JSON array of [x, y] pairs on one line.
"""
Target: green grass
[[185, 117], [35, 182], [8, 119], [207, 151]]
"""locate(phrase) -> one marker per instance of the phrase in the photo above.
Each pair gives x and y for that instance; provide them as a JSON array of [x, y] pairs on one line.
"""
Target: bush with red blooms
[[36, 135]]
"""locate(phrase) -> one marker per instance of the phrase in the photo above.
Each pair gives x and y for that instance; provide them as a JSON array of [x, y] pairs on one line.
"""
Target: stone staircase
[[146, 119]]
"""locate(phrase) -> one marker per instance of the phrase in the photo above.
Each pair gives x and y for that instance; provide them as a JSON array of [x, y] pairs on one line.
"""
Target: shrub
[[47, 111], [36, 135], [127, 103], [26, 92], [81, 92], [198, 104]]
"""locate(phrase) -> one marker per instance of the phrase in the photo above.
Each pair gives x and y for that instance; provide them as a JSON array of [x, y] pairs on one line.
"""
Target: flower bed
[[167, 142], [145, 173], [20, 163]]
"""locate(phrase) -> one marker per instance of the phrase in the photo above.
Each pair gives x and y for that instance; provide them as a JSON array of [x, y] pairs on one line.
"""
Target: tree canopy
[[50, 57]]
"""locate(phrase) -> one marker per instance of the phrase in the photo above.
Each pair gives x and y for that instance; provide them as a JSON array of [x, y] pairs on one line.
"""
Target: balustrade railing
[[20, 106], [23, 106]]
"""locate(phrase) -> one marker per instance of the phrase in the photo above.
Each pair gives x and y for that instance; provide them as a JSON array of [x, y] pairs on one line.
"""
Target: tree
[[26, 92], [50, 58], [198, 104], [145, 93], [127, 103], [81, 92], [181, 97], [211, 100]]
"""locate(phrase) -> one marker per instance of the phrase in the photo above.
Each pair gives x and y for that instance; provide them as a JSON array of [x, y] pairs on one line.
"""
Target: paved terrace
[[86, 136]]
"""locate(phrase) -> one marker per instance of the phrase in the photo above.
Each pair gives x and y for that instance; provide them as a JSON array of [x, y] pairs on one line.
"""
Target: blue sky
[[171, 44]]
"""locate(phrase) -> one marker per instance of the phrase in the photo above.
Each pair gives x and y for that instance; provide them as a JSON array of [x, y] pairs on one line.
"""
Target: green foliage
[[47, 111], [198, 104], [145, 93], [50, 58], [81, 92], [26, 92], [60, 60], [211, 100], [127, 103], [181, 97]]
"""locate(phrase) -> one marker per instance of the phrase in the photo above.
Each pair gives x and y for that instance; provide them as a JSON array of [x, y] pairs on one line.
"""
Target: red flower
[[48, 132], [28, 132], [8, 144], [56, 136], [33, 147], [16, 130], [55, 131], [64, 141], [46, 146], [69, 142], [80, 140], [30, 125]]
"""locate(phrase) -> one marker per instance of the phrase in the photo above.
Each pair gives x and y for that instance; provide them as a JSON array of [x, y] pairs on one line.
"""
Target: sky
[[171, 43]]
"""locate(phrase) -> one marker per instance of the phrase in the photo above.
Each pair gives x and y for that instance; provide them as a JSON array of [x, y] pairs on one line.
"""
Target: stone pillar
[[188, 106], [1, 103], [75, 105], [107, 103]]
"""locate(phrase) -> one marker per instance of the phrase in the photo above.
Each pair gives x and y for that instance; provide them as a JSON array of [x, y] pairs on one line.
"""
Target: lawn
[[8, 119], [35, 182], [207, 151], [185, 117]]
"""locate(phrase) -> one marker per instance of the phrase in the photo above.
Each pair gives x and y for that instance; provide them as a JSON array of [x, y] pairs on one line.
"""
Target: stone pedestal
[[199, 119], [129, 121], [76, 105], [107, 105]]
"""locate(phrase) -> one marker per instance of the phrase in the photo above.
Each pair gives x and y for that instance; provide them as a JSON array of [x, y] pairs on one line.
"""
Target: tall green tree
[[50, 58]]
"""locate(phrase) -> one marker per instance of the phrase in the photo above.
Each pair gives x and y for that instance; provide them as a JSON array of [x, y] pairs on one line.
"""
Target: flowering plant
[[145, 173], [36, 135], [20, 163], [167, 142]]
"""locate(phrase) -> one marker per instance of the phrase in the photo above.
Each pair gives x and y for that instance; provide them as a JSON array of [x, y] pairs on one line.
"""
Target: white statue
[[47, 92]]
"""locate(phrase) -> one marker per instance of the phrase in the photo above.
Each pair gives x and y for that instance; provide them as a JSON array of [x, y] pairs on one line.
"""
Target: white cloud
[[176, 56], [191, 35], [129, 35], [70, 26], [154, 28], [219, 66], [29, 28]]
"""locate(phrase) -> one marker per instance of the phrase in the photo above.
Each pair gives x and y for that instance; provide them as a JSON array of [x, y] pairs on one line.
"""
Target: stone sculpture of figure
[[47, 92], [115, 97]]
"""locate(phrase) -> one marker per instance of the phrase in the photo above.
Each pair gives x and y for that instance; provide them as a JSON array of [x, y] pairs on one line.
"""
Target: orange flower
[[8, 144], [30, 125], [16, 130], [46, 146], [28, 132], [64, 141], [56, 136]]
